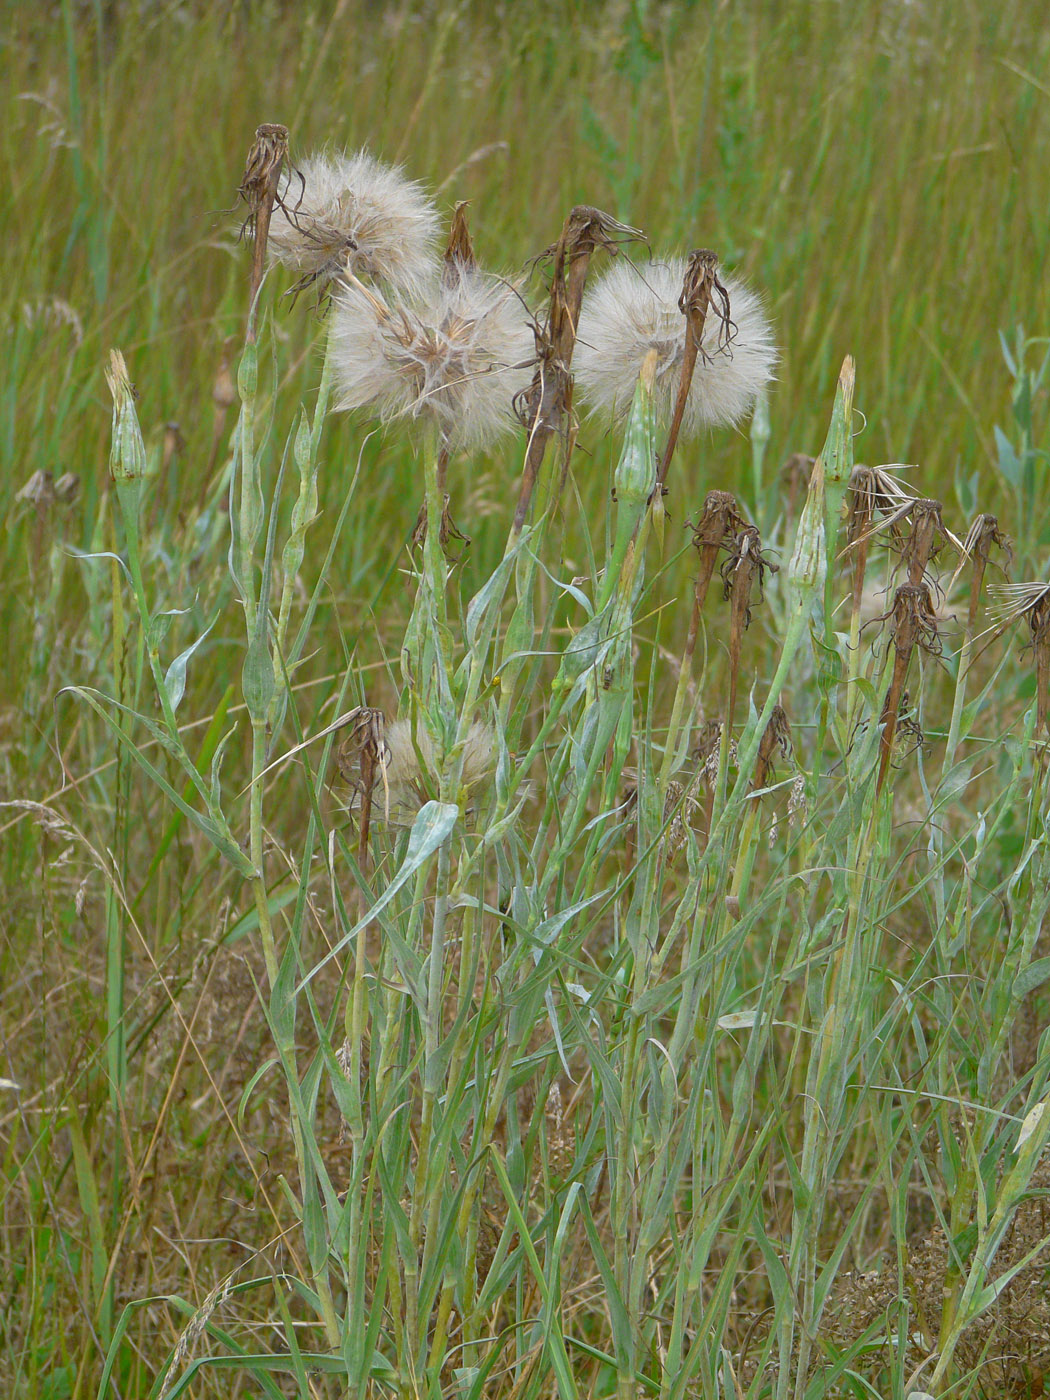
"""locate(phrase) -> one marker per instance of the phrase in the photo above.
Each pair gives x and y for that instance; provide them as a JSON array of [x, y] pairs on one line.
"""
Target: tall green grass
[[594, 1101]]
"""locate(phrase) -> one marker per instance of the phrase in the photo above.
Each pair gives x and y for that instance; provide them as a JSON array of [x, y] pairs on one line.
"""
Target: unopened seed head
[[457, 355], [352, 213], [633, 310]]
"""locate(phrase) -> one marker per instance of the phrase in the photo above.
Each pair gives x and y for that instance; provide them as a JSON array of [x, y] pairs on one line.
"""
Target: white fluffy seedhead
[[632, 310], [351, 213], [459, 355]]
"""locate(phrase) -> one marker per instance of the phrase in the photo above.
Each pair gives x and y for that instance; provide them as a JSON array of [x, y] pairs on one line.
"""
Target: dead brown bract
[[363, 749], [459, 251], [876, 499], [717, 529], [776, 739], [258, 190], [982, 535], [449, 533], [928, 536], [1032, 602], [914, 624], [547, 404]]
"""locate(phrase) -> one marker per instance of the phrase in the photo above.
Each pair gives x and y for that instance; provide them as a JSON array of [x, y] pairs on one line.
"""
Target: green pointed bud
[[127, 454], [808, 567], [636, 472]]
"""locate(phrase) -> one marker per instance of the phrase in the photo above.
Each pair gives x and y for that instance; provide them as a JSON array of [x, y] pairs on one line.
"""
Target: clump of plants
[[636, 994]]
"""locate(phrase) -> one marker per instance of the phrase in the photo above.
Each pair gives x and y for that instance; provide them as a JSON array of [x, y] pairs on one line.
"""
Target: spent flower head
[[634, 309], [351, 213], [458, 355]]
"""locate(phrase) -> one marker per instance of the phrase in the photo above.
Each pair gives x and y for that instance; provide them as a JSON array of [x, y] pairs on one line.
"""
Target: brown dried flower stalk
[[547, 403], [746, 566], [701, 292], [914, 623], [1032, 602], [365, 748], [983, 534], [258, 189], [776, 739]]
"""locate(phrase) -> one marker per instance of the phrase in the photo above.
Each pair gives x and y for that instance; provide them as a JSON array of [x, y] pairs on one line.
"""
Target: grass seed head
[[351, 213], [634, 309], [459, 355]]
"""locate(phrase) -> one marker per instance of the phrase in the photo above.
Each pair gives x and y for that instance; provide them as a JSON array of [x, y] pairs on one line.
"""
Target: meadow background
[[880, 170]]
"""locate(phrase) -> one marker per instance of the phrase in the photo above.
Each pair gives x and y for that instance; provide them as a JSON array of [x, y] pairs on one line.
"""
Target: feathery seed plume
[[632, 310], [459, 354], [351, 213]]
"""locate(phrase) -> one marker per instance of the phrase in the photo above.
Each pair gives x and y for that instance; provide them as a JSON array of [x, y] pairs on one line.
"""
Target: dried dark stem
[[701, 292], [366, 746], [547, 404], [984, 532], [258, 189], [744, 567], [914, 624]]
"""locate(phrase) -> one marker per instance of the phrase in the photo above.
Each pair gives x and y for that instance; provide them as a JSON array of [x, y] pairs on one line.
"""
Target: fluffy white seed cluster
[[352, 214], [633, 309], [457, 354], [408, 775]]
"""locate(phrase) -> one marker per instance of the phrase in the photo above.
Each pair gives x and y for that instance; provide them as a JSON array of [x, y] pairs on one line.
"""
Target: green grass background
[[880, 170]]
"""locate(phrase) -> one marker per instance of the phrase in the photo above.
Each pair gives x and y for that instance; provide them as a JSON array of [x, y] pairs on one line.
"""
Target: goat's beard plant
[[518, 919]]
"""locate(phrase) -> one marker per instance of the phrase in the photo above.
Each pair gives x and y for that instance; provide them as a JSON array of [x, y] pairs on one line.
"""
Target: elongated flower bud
[[808, 566], [127, 455]]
